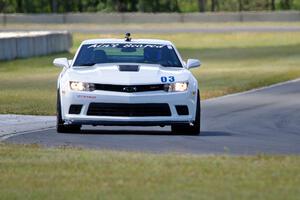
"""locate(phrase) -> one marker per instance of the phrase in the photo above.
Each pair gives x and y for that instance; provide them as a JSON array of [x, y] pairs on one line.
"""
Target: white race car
[[132, 82]]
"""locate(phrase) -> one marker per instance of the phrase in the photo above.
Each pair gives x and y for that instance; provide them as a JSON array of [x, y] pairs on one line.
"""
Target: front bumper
[[187, 98]]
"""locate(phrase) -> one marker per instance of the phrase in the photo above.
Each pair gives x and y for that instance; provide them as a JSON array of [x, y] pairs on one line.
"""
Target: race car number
[[165, 79]]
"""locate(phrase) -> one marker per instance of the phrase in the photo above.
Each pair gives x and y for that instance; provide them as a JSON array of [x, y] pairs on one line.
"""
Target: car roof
[[120, 41]]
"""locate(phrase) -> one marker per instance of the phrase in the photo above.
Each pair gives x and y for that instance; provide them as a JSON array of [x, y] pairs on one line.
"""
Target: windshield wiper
[[87, 64], [167, 65]]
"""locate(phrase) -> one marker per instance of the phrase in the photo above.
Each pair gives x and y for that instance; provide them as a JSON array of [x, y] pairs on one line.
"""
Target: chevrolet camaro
[[131, 82]]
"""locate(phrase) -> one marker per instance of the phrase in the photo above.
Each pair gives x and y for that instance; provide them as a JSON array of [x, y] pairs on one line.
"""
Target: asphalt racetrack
[[261, 121]]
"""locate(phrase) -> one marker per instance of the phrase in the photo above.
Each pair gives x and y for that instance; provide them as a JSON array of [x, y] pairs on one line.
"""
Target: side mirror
[[61, 62], [192, 63]]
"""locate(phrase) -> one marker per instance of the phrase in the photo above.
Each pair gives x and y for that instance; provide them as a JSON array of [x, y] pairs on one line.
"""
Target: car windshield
[[92, 54]]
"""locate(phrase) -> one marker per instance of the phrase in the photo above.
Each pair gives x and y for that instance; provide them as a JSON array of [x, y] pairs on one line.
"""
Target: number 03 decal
[[165, 79]]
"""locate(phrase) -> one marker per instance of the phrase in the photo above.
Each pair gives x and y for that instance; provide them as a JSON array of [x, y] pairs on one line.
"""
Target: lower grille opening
[[129, 110], [75, 109], [182, 110]]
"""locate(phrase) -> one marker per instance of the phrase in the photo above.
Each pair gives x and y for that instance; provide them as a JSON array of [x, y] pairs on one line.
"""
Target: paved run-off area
[[16, 124], [266, 120]]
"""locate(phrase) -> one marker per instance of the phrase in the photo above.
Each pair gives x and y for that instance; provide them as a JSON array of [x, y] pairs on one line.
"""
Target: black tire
[[187, 128], [60, 127]]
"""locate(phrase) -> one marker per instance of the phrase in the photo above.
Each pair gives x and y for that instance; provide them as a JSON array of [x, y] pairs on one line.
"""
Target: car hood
[[111, 74]]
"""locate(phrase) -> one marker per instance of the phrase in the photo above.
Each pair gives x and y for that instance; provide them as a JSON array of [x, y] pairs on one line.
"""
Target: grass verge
[[232, 62], [30, 172]]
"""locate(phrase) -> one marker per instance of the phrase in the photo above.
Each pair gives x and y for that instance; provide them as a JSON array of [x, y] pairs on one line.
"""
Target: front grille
[[129, 110], [129, 88]]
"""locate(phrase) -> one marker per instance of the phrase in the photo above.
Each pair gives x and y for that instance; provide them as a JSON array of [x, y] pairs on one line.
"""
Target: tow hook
[[68, 122]]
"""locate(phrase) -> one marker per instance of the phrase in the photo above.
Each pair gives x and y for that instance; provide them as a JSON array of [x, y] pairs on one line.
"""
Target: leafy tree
[[273, 5], [285, 4], [61, 6], [201, 5]]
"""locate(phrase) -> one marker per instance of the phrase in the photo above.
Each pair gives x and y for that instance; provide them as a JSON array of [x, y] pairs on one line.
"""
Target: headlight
[[80, 86], [177, 87]]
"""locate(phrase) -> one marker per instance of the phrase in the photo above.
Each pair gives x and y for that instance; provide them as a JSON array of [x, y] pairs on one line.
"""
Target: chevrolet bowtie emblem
[[129, 89]]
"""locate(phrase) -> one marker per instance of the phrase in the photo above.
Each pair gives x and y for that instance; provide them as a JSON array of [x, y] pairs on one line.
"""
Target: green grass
[[30, 172], [232, 62], [145, 26]]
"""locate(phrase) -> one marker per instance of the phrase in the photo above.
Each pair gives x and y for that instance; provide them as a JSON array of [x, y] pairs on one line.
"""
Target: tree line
[[62, 6]]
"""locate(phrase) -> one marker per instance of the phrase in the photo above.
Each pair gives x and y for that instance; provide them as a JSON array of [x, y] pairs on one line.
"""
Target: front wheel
[[189, 129], [60, 127]]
